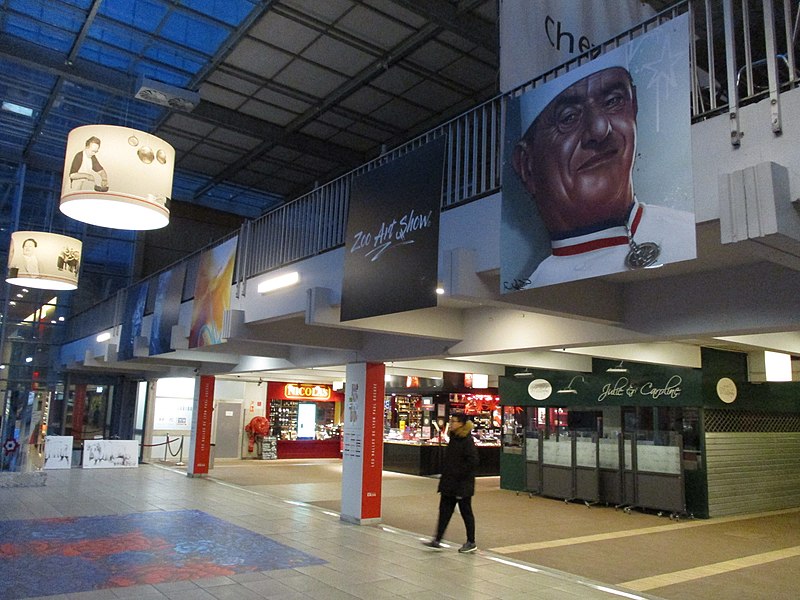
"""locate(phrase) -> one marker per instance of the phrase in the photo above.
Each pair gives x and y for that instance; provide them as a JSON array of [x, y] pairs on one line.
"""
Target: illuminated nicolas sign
[[307, 392]]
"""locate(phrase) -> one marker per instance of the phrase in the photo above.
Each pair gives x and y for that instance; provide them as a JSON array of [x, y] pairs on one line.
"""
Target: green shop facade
[[680, 441]]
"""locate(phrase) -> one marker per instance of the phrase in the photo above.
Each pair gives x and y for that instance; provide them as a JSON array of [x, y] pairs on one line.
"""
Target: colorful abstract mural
[[212, 294], [66, 555]]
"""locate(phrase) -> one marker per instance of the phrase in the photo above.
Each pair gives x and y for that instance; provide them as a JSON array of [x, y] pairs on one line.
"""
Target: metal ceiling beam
[[54, 93], [456, 19], [377, 52], [273, 134], [34, 57], [369, 73]]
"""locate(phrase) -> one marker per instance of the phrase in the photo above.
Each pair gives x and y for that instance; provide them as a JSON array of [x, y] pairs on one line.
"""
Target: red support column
[[362, 456], [200, 442]]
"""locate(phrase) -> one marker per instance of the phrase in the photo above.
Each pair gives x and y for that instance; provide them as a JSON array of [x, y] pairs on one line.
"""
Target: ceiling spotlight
[[618, 369], [569, 389]]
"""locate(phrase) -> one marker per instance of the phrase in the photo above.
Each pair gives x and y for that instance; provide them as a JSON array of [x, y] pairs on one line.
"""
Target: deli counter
[[415, 431]]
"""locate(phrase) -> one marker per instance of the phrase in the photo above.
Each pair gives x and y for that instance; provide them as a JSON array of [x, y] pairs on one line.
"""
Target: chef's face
[[581, 151]]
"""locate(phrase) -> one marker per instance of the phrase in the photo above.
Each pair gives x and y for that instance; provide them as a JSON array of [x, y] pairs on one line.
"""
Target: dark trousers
[[447, 505]]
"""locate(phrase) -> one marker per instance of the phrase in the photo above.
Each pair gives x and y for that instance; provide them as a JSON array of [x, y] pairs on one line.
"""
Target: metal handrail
[[316, 222]]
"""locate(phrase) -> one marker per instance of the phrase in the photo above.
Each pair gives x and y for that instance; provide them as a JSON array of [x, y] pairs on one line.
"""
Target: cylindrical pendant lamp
[[117, 177], [43, 260]]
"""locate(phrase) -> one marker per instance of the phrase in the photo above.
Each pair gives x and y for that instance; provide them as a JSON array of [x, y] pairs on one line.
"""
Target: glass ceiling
[[168, 41]]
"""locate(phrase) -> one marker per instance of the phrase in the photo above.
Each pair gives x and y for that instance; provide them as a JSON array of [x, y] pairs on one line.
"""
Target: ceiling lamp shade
[[117, 177], [47, 261]]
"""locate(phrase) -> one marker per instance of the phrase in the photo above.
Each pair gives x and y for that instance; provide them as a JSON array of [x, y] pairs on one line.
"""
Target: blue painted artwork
[[77, 554]]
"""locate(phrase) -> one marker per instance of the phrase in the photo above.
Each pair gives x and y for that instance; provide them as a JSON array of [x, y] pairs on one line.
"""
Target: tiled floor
[[753, 556], [369, 562]]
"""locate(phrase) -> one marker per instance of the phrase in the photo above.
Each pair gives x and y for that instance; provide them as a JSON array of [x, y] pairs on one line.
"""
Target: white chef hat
[[534, 101]]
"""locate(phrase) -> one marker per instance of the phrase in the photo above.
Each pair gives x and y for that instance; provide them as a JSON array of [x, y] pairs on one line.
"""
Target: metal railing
[[743, 51]]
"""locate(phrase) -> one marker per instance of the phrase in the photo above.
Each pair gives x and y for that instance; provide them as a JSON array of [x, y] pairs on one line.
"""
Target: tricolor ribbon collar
[[606, 238]]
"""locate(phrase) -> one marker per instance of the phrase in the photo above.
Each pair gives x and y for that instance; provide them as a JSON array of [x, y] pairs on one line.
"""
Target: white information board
[[110, 454], [58, 452]]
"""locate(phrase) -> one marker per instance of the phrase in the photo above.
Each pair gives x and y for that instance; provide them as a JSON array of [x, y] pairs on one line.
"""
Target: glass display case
[[415, 430]]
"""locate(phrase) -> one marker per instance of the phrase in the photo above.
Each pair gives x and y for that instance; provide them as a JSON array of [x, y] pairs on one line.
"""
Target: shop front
[[305, 419], [623, 436], [416, 413]]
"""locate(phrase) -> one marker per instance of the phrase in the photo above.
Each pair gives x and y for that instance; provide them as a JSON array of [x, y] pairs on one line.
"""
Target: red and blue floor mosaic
[[66, 555]]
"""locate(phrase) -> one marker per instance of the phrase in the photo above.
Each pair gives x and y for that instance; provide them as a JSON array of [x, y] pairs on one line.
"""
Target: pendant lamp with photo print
[[117, 177], [43, 260]]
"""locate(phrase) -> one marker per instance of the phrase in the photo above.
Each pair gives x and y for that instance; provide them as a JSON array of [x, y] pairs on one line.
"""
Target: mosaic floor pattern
[[58, 556]]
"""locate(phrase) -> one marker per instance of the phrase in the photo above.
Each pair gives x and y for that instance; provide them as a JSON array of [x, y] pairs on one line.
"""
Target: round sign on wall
[[540, 389], [726, 390]]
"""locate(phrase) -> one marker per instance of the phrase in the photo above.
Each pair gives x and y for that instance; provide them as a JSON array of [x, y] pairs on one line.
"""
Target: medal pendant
[[642, 255]]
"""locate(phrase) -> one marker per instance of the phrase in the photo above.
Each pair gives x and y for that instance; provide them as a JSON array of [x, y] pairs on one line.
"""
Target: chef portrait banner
[[536, 37], [212, 294], [597, 170], [391, 258]]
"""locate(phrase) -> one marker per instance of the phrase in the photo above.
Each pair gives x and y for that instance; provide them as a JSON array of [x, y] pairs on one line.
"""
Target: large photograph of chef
[[597, 178]]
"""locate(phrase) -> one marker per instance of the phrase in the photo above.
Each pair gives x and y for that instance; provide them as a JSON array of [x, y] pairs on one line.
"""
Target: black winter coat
[[459, 463]]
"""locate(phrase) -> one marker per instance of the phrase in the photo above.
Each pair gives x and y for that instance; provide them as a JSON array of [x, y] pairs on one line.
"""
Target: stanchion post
[[180, 462]]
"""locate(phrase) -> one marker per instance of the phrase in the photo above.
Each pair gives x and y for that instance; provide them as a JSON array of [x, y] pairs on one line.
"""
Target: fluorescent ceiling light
[[778, 366], [103, 337], [276, 283], [17, 109]]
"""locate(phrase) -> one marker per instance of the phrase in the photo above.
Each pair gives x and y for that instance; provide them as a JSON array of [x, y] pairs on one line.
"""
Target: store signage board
[[662, 387], [726, 390], [300, 391], [540, 389]]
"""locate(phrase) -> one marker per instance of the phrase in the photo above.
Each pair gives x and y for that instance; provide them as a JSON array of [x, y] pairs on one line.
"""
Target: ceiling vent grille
[[163, 94]]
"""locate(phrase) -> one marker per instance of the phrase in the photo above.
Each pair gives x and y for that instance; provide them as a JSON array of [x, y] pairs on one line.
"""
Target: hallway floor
[[270, 529], [752, 557]]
